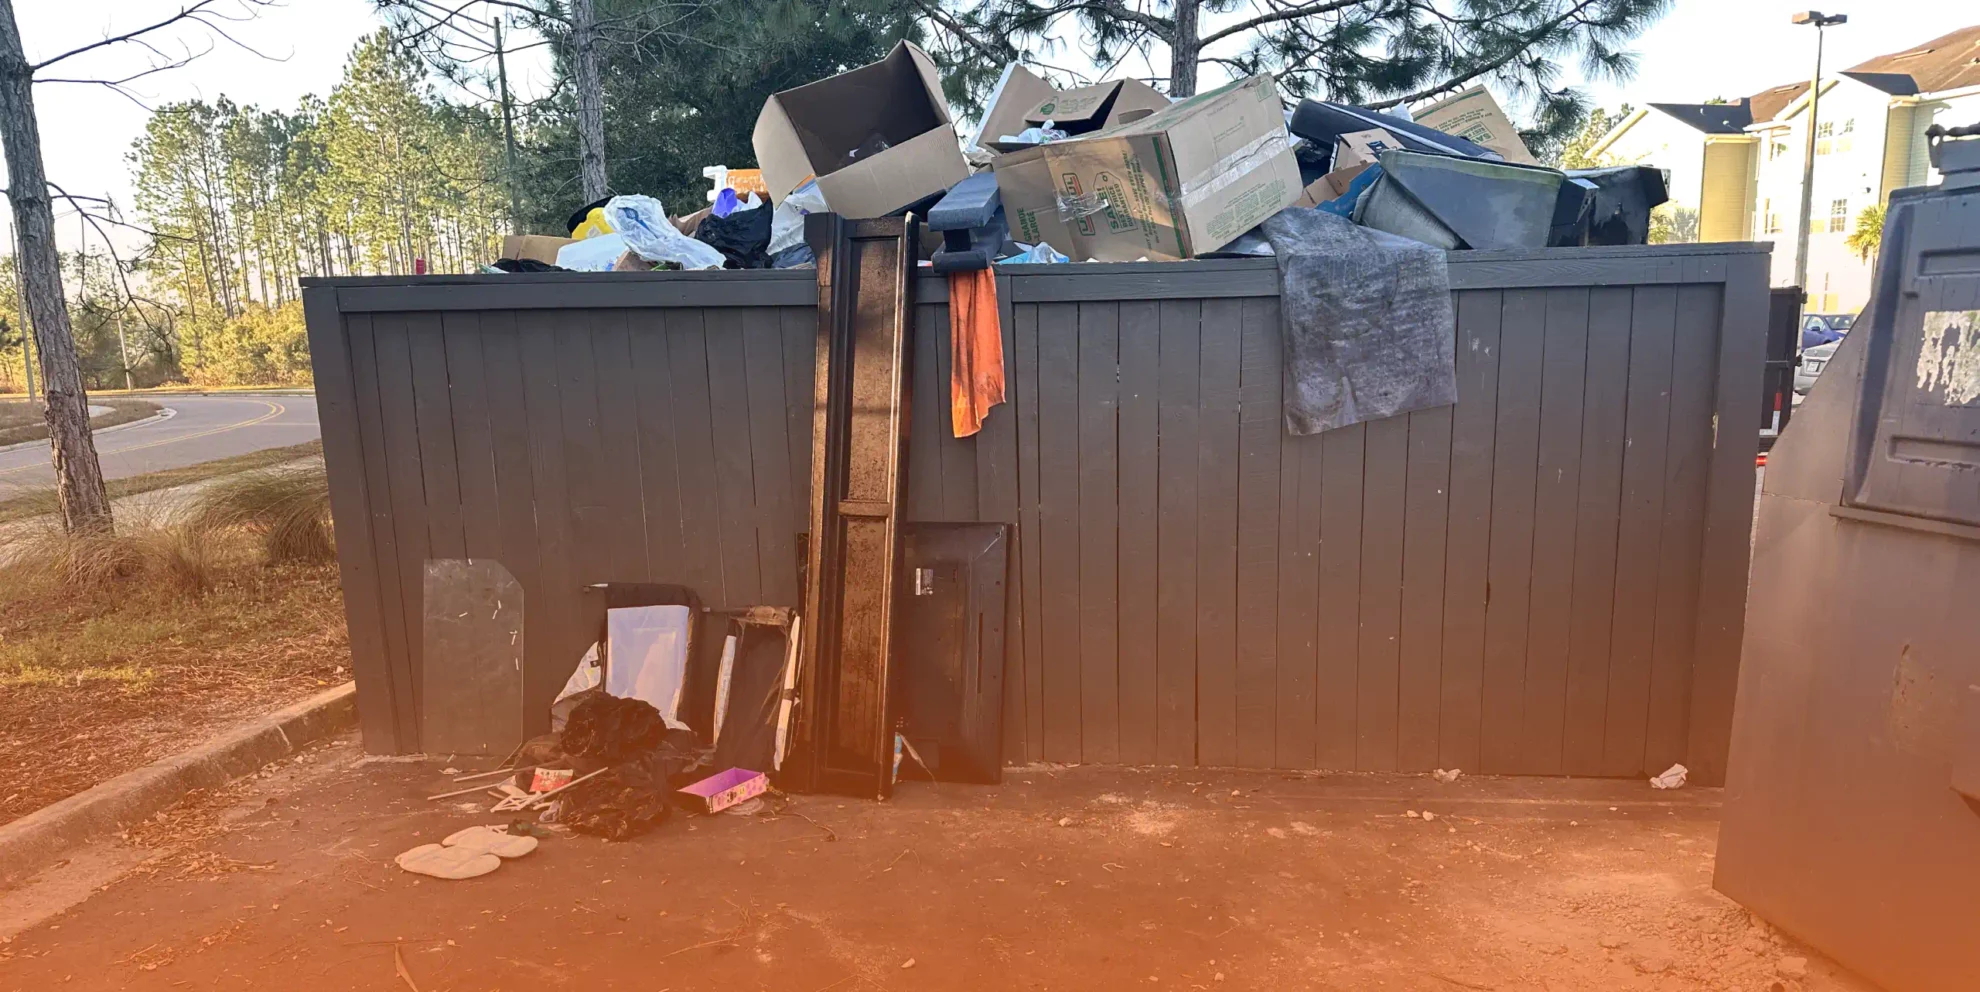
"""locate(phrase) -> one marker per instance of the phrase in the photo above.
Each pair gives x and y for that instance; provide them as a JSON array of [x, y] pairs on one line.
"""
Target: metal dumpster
[[1546, 578], [1852, 815]]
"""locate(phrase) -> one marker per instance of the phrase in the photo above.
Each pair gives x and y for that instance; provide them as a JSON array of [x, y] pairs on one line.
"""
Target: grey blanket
[[1368, 330]]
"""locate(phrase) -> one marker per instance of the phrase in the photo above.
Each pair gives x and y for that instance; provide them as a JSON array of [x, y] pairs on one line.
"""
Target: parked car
[[1813, 360], [1822, 328]]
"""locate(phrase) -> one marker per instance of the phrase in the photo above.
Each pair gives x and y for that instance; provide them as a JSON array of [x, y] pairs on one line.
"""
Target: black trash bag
[[743, 237], [609, 730], [634, 796], [526, 265]]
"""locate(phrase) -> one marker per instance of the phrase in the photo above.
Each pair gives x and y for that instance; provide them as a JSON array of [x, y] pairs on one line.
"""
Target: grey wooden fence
[[1547, 578]]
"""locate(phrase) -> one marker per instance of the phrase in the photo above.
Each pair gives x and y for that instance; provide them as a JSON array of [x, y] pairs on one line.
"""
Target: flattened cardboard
[[1473, 115], [1184, 180], [1363, 148], [809, 130], [540, 247]]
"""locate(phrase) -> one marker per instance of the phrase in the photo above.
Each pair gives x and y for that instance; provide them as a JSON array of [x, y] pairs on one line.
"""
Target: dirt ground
[[1062, 878], [94, 684]]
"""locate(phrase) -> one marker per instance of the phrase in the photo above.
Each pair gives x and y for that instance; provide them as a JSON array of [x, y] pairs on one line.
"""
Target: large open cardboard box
[[1185, 180], [811, 129]]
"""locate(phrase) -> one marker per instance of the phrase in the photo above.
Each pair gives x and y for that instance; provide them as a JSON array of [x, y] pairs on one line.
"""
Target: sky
[[1701, 49]]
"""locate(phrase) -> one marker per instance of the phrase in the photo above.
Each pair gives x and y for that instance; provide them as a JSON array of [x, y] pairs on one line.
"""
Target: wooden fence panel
[[1514, 584]]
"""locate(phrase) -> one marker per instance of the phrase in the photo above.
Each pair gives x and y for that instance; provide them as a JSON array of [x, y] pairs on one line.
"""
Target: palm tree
[[1869, 232]]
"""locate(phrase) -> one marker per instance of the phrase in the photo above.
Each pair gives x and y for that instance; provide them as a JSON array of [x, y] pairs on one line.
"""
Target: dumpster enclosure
[[1546, 578]]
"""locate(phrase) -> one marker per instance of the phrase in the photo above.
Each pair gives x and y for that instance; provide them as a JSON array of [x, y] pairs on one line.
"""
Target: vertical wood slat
[[1099, 532], [1474, 425], [1300, 464], [1557, 492], [1030, 529], [515, 503], [624, 512], [800, 329], [1058, 526], [694, 453], [1337, 612], [474, 442], [1176, 495], [1686, 468], [351, 499], [1140, 432], [433, 436], [1384, 514], [553, 624], [1646, 426], [1515, 455], [997, 499], [1420, 646], [928, 419], [660, 480], [1605, 395], [728, 391], [1259, 431], [595, 540], [1221, 352], [1728, 518], [776, 542], [397, 428]]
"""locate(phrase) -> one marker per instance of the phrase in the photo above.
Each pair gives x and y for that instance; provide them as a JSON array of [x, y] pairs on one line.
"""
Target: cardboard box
[[1017, 91], [1474, 116], [1077, 112], [541, 247], [1331, 186], [1360, 149], [722, 790], [810, 130], [1185, 180]]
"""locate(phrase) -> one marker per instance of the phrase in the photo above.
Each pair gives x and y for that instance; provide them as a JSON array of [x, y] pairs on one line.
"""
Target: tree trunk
[[590, 101], [78, 476], [1184, 50]]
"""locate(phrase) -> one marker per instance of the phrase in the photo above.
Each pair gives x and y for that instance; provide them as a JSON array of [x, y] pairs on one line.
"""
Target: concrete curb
[[32, 842], [164, 413]]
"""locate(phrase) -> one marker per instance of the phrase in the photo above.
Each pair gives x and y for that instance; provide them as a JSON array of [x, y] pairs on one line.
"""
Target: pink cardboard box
[[725, 789]]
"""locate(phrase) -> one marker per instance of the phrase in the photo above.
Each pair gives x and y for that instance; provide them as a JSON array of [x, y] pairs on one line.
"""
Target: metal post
[[124, 349], [1821, 22]]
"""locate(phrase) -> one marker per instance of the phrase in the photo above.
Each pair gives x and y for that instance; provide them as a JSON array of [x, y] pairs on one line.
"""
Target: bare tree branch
[[204, 12]]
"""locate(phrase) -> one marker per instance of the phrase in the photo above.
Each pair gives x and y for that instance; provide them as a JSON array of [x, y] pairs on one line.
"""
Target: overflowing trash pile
[[676, 708], [1114, 172]]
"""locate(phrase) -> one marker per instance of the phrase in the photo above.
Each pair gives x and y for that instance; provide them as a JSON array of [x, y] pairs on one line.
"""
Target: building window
[[1826, 129], [1849, 126], [1838, 216], [1770, 220], [1776, 150]]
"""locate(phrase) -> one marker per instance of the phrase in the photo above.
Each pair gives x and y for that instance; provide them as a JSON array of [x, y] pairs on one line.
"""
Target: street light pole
[[1822, 22]]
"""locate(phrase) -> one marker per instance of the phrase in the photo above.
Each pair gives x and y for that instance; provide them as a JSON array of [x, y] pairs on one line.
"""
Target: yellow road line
[[274, 410]]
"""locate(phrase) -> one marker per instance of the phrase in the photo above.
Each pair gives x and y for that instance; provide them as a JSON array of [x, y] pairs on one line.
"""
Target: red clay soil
[[1071, 879]]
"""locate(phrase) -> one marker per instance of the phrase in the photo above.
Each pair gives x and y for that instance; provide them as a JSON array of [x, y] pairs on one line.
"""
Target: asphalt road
[[204, 428]]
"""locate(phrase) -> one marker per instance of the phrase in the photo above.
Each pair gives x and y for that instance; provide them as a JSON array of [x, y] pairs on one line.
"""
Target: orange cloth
[[976, 349]]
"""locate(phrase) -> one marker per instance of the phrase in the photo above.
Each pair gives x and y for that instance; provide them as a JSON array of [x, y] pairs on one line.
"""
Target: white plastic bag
[[593, 254], [787, 224], [1672, 778], [643, 223]]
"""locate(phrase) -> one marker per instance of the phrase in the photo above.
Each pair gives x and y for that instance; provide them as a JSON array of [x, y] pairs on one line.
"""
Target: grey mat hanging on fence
[[1366, 318]]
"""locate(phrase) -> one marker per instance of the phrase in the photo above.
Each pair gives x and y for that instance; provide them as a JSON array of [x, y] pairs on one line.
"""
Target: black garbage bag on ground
[[743, 237], [636, 795], [610, 730]]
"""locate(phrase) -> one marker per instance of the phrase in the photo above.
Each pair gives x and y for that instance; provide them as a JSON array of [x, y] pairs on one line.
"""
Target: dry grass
[[21, 419], [287, 510], [118, 650]]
